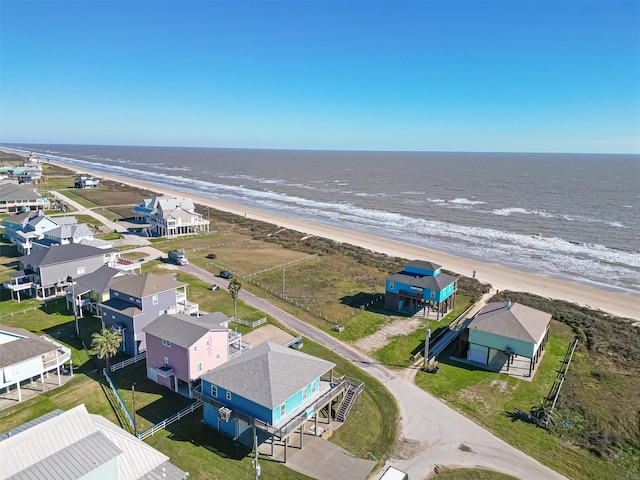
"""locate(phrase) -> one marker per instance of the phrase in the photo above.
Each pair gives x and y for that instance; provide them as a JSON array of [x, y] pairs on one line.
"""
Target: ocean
[[573, 216]]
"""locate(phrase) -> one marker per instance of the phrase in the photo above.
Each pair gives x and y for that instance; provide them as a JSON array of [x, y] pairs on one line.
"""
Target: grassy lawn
[[74, 195], [400, 350]]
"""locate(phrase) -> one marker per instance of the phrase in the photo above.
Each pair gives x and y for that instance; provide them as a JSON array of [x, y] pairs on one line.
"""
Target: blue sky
[[432, 76]]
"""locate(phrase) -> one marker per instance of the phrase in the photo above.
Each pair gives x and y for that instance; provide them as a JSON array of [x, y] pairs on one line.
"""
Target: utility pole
[[75, 310], [133, 406]]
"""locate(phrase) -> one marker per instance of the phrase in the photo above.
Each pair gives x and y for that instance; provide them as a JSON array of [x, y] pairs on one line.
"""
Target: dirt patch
[[473, 397], [379, 339], [406, 449], [500, 385]]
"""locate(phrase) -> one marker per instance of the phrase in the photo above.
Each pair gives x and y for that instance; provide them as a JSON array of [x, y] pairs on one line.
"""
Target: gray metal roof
[[67, 445], [424, 265], [98, 281], [185, 330], [21, 349], [32, 423], [73, 461], [430, 282], [140, 286], [269, 374], [515, 321], [63, 253]]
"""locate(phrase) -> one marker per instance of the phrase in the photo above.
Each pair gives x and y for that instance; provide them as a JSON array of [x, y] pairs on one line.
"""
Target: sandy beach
[[499, 276]]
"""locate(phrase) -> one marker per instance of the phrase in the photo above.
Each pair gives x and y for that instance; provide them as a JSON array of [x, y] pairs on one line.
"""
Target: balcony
[[165, 371]]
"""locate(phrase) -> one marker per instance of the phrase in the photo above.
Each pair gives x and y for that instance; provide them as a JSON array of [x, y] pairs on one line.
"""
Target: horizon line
[[353, 150]]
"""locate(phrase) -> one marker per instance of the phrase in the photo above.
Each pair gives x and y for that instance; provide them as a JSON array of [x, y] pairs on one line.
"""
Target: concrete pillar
[[316, 423], [19, 392], [301, 434], [42, 381], [286, 442]]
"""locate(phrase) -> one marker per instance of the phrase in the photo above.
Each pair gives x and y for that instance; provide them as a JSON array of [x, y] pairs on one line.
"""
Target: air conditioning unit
[[224, 414]]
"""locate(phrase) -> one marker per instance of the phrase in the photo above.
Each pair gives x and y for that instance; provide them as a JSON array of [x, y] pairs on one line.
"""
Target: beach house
[[420, 285], [86, 181], [48, 272], [274, 389], [16, 198], [25, 357], [75, 444], [500, 332], [180, 348], [135, 301], [169, 217]]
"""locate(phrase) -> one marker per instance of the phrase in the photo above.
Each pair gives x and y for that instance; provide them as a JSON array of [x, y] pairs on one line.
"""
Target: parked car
[[226, 274], [212, 256], [214, 287]]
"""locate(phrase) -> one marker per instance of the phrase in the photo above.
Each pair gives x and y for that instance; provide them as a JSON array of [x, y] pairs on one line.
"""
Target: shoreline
[[501, 277]]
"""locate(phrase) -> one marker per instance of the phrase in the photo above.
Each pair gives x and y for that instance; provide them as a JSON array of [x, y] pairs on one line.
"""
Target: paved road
[[431, 432], [130, 238]]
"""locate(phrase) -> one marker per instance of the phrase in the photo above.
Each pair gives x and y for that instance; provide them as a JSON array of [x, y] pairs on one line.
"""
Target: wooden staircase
[[347, 402]]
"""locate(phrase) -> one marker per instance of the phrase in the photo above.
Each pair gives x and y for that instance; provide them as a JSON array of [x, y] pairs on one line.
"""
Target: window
[[199, 367], [166, 343], [195, 348], [228, 395], [390, 285], [313, 387], [154, 299], [217, 356], [113, 317], [283, 409], [304, 394], [208, 343], [166, 360], [131, 299], [116, 294], [433, 294], [214, 391]]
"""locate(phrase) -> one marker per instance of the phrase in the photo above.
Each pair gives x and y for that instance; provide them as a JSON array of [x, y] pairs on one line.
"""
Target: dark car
[[226, 274], [212, 256]]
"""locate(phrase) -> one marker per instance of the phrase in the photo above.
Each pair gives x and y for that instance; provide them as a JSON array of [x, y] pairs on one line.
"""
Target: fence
[[247, 323], [168, 421], [128, 361], [292, 341], [120, 401], [279, 266], [20, 312]]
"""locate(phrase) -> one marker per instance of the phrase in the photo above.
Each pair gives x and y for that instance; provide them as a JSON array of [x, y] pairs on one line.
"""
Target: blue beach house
[[420, 285], [272, 388]]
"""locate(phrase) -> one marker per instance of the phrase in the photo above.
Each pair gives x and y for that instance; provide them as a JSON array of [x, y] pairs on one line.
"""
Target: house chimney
[[507, 304]]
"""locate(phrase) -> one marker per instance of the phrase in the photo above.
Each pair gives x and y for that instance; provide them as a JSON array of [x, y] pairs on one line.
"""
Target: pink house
[[180, 348]]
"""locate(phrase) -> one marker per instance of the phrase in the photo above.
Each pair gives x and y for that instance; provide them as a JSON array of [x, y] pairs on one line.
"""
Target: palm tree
[[234, 291], [105, 344]]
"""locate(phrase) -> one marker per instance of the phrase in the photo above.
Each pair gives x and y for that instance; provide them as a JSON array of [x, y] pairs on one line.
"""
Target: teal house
[[420, 285], [272, 391], [501, 331]]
